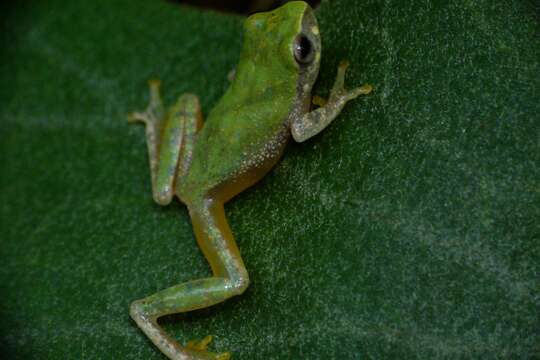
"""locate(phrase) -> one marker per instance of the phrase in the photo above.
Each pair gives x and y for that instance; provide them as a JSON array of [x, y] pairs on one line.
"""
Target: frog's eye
[[304, 52]]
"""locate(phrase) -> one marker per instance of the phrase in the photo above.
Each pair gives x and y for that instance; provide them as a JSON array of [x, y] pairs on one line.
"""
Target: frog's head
[[283, 45]]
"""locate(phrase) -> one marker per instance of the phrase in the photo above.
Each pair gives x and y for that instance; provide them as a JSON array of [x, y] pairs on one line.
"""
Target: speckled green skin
[[243, 138]]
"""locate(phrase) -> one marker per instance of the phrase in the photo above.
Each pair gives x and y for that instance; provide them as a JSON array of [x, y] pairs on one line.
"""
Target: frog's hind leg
[[230, 278], [170, 138]]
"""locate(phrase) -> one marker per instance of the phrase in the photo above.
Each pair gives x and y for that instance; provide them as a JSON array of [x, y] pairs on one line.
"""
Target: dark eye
[[303, 49]]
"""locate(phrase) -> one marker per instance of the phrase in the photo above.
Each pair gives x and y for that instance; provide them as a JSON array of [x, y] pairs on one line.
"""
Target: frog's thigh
[[184, 119], [215, 238]]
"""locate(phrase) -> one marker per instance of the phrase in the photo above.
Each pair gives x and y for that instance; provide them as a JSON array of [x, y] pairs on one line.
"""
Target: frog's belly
[[224, 170]]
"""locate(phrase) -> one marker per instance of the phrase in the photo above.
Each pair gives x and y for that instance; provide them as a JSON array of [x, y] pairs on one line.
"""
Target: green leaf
[[407, 229]]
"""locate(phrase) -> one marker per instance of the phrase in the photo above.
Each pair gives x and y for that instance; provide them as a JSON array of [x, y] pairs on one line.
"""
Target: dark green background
[[408, 229]]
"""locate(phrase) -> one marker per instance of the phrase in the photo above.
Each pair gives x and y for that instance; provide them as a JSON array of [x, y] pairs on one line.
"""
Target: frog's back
[[239, 143]]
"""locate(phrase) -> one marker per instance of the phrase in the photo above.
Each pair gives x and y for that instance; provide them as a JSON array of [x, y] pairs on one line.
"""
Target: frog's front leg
[[170, 138], [230, 278], [313, 122]]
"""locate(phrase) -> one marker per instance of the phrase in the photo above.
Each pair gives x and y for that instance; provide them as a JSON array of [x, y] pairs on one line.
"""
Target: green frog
[[244, 136]]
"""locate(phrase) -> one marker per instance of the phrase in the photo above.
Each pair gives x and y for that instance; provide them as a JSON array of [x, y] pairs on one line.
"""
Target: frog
[[206, 164]]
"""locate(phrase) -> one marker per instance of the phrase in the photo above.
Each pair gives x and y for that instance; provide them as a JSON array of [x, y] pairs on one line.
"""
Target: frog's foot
[[339, 93], [200, 347], [153, 114]]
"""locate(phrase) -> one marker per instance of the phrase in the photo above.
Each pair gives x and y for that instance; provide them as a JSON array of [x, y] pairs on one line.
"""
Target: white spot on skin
[[315, 30]]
